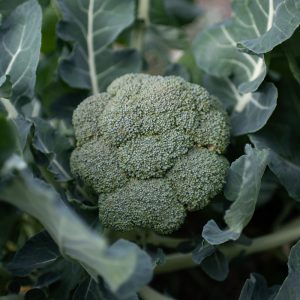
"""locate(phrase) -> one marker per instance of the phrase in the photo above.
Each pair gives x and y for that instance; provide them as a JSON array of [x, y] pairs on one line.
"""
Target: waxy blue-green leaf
[[202, 251], [275, 21], [38, 252], [256, 288], [216, 236], [123, 266], [249, 112], [216, 51], [234, 75], [92, 26], [243, 186], [20, 41], [89, 290], [290, 288], [6, 7], [216, 266], [284, 156], [294, 258], [254, 110]]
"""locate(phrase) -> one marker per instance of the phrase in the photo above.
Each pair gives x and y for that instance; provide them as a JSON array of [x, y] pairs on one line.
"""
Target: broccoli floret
[[151, 148], [148, 204]]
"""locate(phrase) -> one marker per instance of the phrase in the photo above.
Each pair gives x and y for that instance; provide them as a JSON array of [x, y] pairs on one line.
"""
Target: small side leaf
[[216, 266], [256, 288], [202, 251], [215, 236], [38, 252]]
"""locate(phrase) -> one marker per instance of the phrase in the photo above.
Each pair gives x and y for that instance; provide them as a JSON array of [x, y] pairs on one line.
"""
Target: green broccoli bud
[[198, 177], [97, 165], [151, 148], [146, 204]]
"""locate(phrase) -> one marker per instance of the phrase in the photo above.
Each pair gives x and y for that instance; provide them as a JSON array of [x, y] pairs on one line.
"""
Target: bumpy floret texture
[[151, 147]]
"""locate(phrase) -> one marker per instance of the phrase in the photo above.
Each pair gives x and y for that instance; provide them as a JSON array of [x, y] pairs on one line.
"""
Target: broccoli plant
[[149, 146], [149, 149]]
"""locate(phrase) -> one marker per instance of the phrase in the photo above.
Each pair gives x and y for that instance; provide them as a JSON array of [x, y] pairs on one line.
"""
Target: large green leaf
[[20, 41], [250, 111], [243, 186], [234, 75], [6, 7], [275, 20], [216, 51], [92, 26], [123, 266]]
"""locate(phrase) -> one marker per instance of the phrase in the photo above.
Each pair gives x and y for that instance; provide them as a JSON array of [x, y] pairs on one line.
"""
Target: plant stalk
[[138, 32], [148, 293], [286, 234]]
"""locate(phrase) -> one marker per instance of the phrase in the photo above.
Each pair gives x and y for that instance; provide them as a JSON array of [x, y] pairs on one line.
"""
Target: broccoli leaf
[[256, 288], [123, 266], [243, 186], [235, 75], [254, 110], [275, 20], [216, 266], [89, 289], [294, 258], [20, 41], [216, 51], [290, 288], [215, 236], [92, 26], [38, 252]]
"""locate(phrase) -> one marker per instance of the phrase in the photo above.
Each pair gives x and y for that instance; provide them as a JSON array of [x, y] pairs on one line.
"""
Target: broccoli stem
[[137, 37], [148, 293], [287, 234], [164, 241]]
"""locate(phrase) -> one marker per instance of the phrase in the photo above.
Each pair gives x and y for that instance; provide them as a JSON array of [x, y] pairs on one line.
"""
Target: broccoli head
[[151, 147]]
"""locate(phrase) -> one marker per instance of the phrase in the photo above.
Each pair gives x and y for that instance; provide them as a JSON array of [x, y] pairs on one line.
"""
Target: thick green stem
[[138, 32], [147, 293], [168, 242], [286, 234]]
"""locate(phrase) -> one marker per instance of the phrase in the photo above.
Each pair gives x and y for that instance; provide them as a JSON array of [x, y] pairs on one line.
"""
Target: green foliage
[[92, 26], [20, 45], [151, 151]]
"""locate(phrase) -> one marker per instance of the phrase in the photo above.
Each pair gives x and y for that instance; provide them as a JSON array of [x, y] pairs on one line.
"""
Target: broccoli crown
[[151, 148]]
